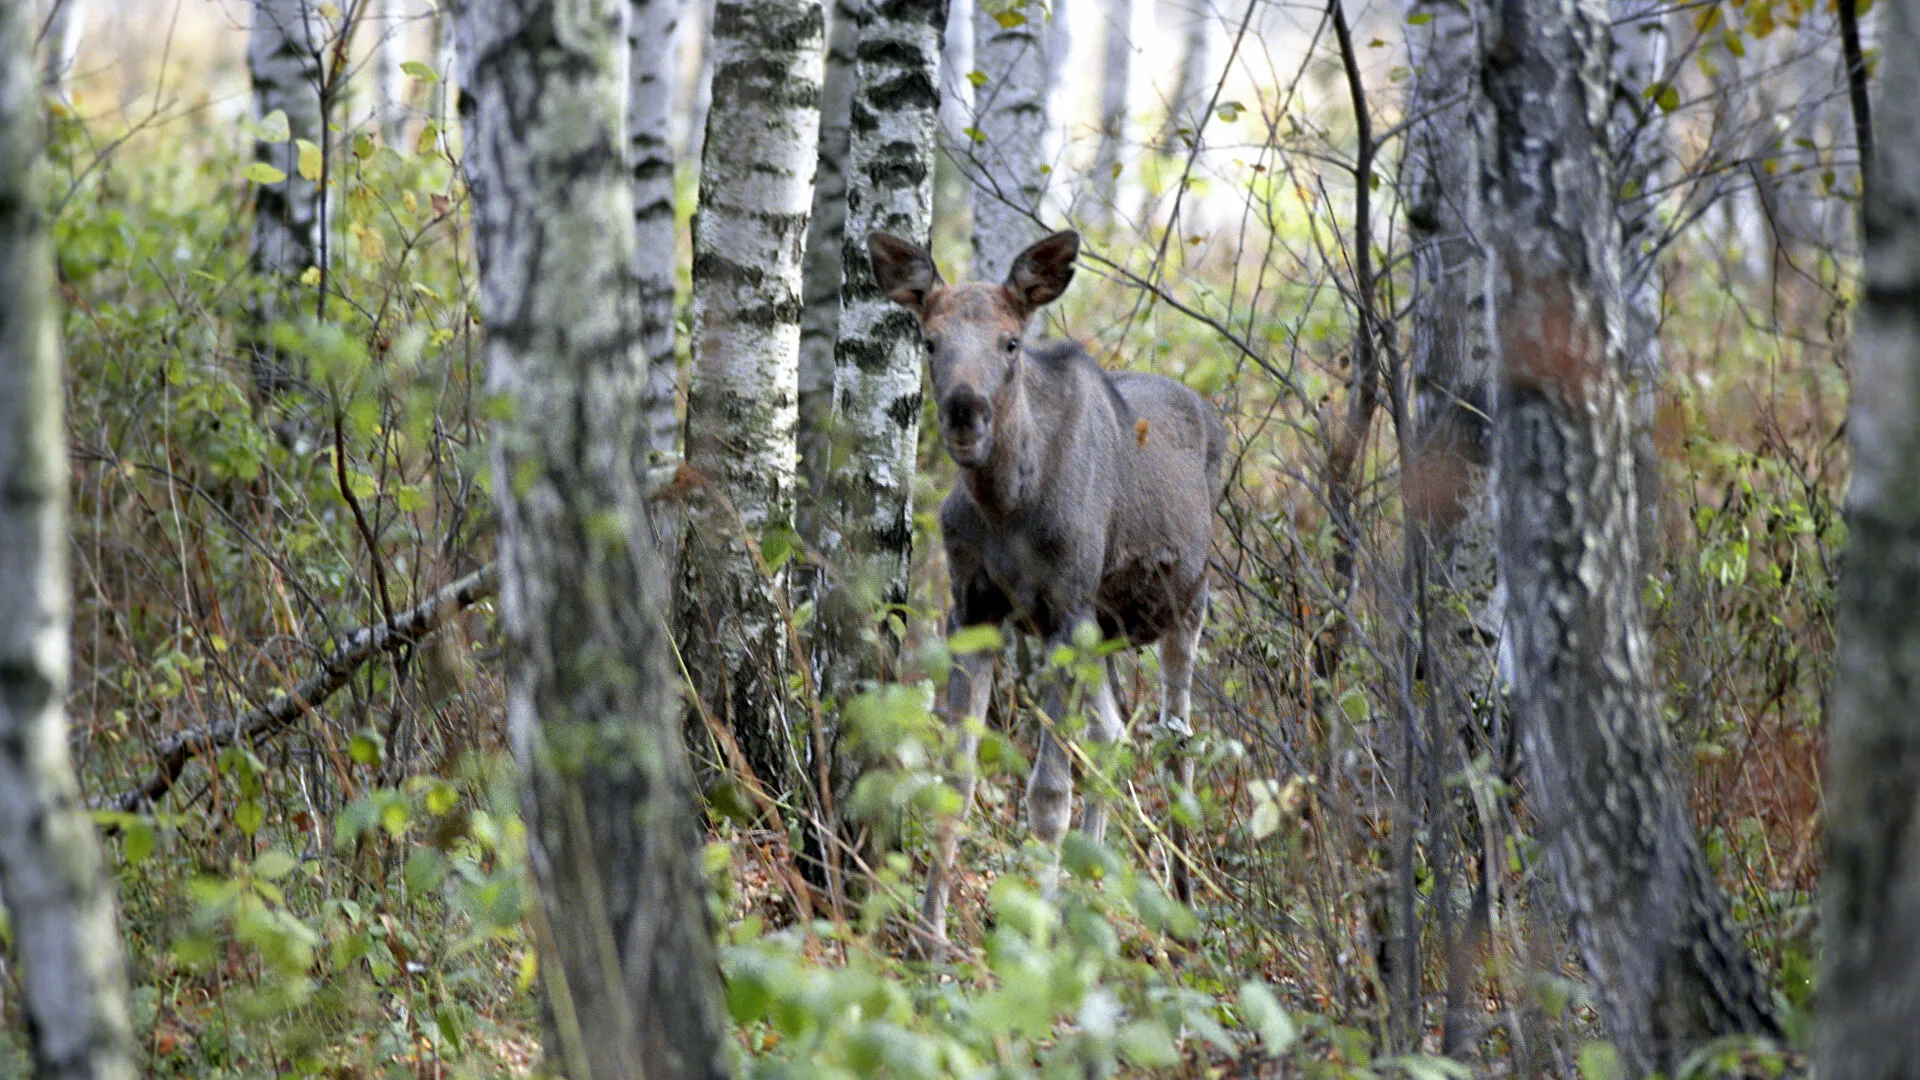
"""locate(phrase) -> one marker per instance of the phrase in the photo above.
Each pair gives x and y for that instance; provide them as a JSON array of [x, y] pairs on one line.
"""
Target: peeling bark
[[627, 954]]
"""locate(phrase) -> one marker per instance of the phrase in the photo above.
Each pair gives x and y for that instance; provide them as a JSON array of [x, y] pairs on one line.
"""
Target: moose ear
[[1041, 273], [903, 270]]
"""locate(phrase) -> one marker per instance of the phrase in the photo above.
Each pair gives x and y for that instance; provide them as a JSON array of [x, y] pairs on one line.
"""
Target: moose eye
[[1013, 345], [927, 344]]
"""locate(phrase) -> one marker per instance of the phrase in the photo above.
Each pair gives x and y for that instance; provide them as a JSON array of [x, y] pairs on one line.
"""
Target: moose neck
[[1010, 480]]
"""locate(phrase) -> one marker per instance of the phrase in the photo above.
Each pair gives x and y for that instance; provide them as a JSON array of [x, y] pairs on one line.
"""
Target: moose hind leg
[[968, 689], [1177, 650], [1104, 725]]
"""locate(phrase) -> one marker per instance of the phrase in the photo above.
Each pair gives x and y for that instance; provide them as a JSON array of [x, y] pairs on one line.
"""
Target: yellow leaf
[[310, 159], [310, 276], [372, 245]]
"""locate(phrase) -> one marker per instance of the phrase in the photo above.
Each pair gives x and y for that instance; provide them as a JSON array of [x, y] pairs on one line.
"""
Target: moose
[[1084, 498]]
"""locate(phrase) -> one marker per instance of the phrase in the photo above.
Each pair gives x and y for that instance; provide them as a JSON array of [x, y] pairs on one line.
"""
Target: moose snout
[[966, 418]]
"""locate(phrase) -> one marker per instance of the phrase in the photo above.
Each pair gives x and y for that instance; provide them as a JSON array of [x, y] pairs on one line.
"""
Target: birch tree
[[650, 161], [1113, 157], [1870, 898], [284, 59], [748, 240], [826, 231], [1009, 132], [627, 956], [1669, 970], [1193, 81], [56, 888], [60, 44], [389, 19]]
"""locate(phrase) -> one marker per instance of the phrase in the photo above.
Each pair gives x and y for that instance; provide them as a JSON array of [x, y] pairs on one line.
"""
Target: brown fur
[[1084, 496]]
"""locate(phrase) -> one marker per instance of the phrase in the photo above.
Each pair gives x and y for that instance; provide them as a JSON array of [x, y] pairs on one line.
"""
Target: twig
[[407, 628]]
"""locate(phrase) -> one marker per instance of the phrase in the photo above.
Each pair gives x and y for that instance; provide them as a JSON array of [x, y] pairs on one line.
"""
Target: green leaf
[[1601, 1061], [973, 639], [977, 78], [1009, 19], [416, 69], [262, 173], [249, 815], [1146, 1044], [139, 838], [1420, 18], [274, 864], [367, 747], [1260, 1013], [272, 127]]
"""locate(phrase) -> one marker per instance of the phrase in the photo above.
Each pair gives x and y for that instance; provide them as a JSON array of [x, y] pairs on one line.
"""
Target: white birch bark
[[1003, 159], [56, 889], [876, 386], [696, 94], [1870, 896], [650, 161], [60, 44], [388, 22], [956, 89], [1640, 60], [283, 57], [627, 956], [441, 105], [1113, 158], [749, 238], [1193, 85], [826, 231]]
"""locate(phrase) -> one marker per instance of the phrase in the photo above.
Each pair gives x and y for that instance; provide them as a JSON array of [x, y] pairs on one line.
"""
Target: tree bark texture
[[1870, 918], [956, 89], [826, 232], [1641, 60], [748, 241], [55, 886], [876, 381], [389, 21], [60, 44], [1113, 157], [284, 48], [1669, 970], [627, 953], [1193, 85], [651, 76], [1004, 152], [283, 58]]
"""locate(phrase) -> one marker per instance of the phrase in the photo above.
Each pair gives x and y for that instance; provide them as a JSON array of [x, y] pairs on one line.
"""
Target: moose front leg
[[968, 688]]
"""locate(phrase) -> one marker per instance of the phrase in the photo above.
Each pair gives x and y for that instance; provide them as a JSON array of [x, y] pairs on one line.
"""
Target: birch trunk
[[956, 89], [56, 889], [748, 241], [446, 65], [60, 45], [389, 20], [1113, 158], [627, 955], [826, 231], [1010, 126], [650, 36], [1193, 86], [283, 56], [1641, 59], [1669, 970], [1870, 898]]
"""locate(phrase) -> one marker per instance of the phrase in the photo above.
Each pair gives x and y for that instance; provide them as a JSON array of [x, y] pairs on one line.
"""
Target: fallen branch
[[406, 628]]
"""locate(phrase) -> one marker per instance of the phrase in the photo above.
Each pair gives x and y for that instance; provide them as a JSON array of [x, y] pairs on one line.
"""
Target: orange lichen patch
[[1140, 428]]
